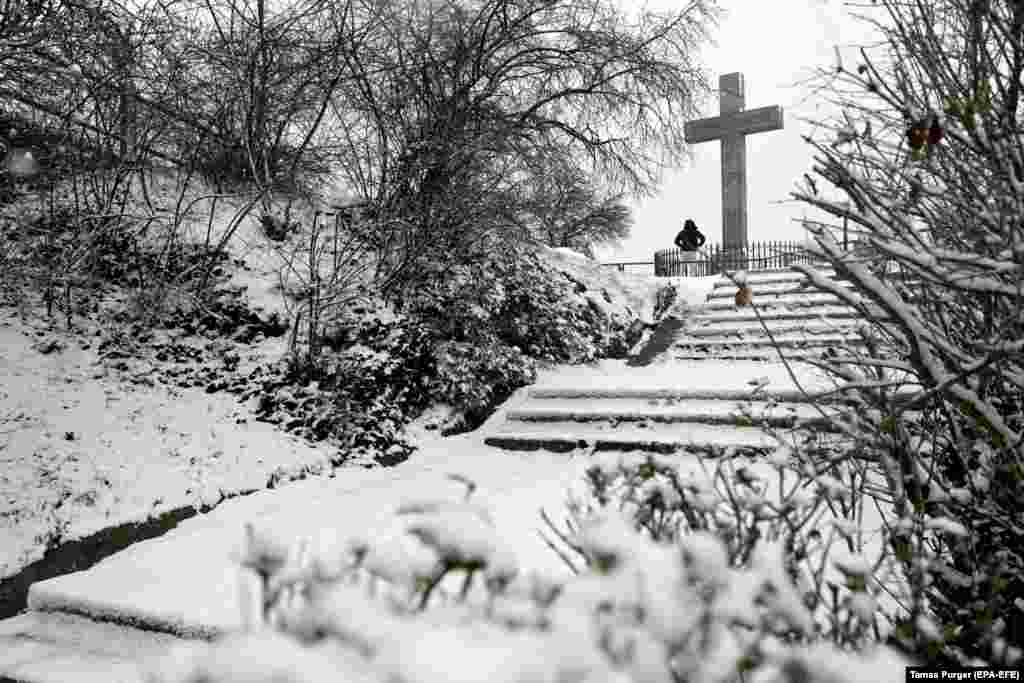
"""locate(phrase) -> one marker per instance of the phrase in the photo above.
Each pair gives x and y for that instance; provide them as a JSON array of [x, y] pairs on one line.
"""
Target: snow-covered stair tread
[[652, 436], [764, 301], [642, 396], [630, 410], [773, 288], [47, 647], [753, 328], [704, 378], [785, 340], [763, 354], [775, 313], [762, 277]]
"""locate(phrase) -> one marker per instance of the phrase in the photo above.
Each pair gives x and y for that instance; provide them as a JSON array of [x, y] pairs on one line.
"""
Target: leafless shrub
[[930, 157]]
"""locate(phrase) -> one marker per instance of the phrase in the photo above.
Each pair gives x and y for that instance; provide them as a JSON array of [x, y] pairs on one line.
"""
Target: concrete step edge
[[569, 419], [756, 330], [51, 647], [808, 313], [567, 444], [684, 393], [753, 278], [752, 342], [768, 301], [723, 293]]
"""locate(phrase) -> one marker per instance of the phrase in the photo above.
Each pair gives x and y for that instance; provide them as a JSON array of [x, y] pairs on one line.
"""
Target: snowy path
[[150, 583]]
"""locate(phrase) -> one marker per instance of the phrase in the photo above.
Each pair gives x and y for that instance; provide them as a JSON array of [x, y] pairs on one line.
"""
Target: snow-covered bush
[[494, 318], [468, 340], [513, 298], [780, 512], [478, 378], [936, 393], [380, 377], [647, 609]]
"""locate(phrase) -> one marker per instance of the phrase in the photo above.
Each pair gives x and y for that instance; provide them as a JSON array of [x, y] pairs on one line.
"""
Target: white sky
[[776, 44]]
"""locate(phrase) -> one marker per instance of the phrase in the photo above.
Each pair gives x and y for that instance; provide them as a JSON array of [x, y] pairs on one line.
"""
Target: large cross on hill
[[731, 126]]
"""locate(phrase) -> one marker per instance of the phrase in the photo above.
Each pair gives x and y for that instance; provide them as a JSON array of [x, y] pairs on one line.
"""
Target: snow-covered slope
[[88, 440], [628, 294]]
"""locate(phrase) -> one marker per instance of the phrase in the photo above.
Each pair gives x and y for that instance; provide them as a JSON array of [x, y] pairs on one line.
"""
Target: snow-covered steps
[[726, 289], [706, 420], [787, 313], [774, 288], [707, 410], [765, 353]]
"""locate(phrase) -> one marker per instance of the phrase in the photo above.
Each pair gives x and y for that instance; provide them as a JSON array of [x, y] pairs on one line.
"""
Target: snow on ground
[[201, 595], [149, 583], [187, 581], [273, 268], [84, 447], [86, 444]]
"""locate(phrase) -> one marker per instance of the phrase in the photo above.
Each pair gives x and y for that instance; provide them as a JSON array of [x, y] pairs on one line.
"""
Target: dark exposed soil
[[77, 555]]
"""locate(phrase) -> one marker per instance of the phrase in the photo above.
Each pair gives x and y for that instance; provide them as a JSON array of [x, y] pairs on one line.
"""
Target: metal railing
[[715, 258], [621, 265]]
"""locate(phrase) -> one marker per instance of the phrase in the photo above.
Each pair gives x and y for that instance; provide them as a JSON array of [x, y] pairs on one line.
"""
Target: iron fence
[[715, 258], [621, 265]]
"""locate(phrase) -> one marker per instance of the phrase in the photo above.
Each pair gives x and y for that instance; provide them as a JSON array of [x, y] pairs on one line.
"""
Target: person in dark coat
[[689, 240]]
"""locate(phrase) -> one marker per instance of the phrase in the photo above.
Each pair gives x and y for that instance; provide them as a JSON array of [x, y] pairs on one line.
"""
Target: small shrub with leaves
[[375, 378], [476, 378], [784, 505]]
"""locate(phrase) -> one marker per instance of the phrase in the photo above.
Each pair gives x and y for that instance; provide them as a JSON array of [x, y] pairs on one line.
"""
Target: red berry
[[935, 132], [917, 136]]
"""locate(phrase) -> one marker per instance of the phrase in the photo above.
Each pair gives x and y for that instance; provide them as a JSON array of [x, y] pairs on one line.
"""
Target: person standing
[[689, 240]]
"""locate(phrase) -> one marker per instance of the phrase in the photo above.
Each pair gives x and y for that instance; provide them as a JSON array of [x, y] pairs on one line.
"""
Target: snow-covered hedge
[[491, 321], [467, 341]]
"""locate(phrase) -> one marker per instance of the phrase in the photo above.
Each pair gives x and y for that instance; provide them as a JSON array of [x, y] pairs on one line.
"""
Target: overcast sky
[[775, 44]]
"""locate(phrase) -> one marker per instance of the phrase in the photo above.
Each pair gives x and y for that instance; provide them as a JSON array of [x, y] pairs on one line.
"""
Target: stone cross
[[731, 126]]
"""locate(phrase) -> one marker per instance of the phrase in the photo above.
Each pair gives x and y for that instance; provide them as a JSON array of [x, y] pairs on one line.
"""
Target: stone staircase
[[657, 420], [715, 412], [799, 321]]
